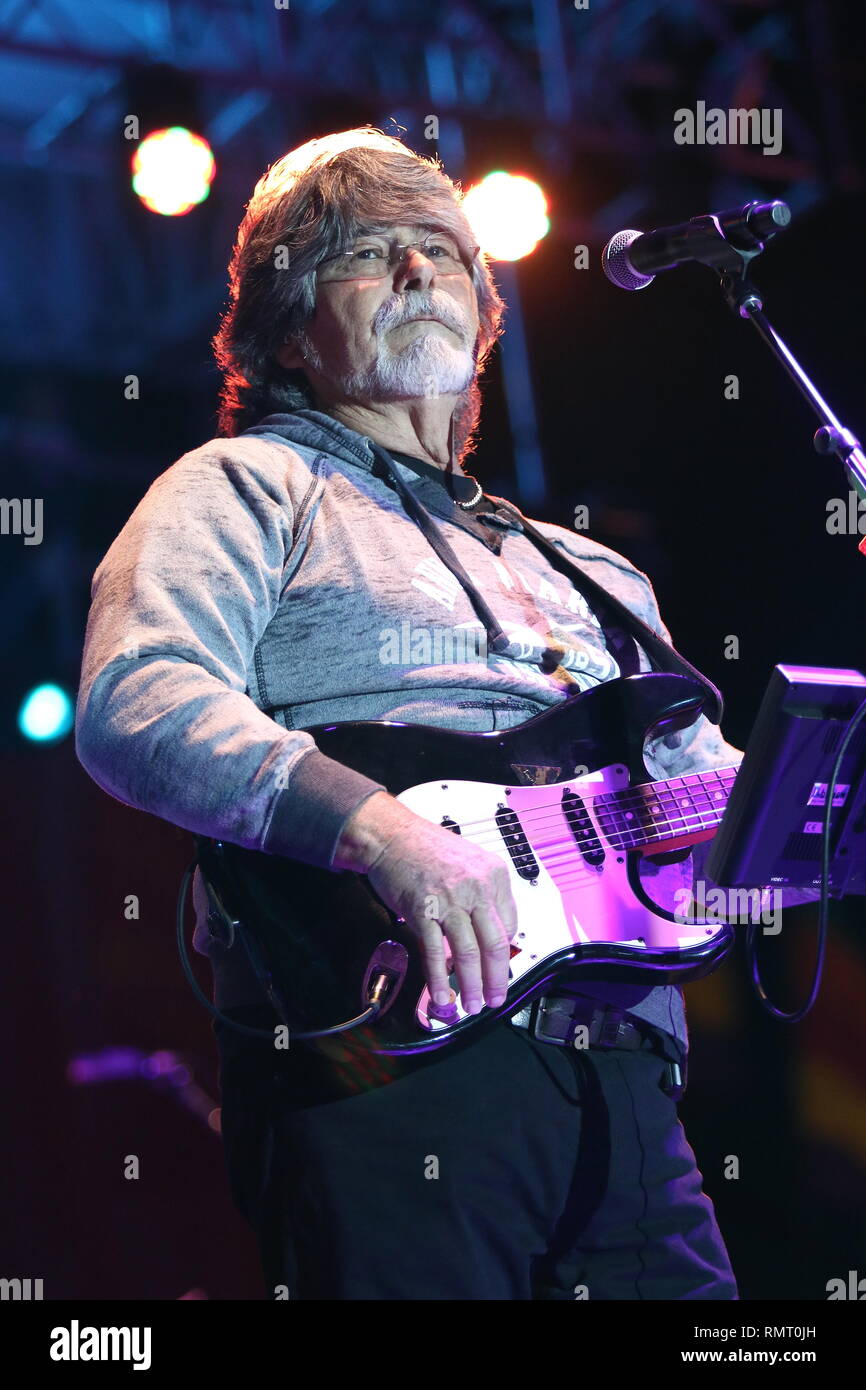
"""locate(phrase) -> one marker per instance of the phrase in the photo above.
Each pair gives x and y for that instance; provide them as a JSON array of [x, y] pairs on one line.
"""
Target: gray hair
[[311, 204]]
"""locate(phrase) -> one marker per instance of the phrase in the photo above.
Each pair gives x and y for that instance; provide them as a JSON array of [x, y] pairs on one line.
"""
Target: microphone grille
[[617, 266]]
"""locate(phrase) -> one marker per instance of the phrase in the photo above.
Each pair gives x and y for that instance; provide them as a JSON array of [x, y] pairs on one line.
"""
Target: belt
[[556, 1018]]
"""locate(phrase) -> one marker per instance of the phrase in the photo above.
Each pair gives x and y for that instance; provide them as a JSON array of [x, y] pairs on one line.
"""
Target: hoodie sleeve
[[165, 720]]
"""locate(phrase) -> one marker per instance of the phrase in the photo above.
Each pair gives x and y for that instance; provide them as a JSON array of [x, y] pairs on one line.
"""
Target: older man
[[244, 602]]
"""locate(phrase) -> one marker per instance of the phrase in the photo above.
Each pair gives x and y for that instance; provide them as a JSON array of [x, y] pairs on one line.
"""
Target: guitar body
[[529, 794]]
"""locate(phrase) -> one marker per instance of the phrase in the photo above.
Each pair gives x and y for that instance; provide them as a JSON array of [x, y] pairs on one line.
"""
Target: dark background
[[722, 501]]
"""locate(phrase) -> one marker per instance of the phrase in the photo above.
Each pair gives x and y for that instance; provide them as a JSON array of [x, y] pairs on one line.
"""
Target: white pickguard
[[570, 900]]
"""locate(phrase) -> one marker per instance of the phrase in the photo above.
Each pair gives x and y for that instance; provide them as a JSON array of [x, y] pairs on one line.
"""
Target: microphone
[[631, 260]]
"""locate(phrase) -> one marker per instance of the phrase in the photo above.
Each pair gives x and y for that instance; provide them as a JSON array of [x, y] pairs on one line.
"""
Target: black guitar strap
[[496, 638], [663, 656]]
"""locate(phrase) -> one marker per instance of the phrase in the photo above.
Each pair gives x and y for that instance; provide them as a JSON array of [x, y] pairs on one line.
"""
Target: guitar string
[[709, 815], [573, 875], [695, 820], [668, 825], [497, 840], [568, 872], [627, 796], [561, 847]]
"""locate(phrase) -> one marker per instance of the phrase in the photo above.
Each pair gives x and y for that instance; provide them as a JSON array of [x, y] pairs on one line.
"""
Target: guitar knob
[[444, 1013]]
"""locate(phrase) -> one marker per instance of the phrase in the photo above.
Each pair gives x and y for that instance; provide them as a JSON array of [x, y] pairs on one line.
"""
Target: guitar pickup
[[582, 828], [524, 861]]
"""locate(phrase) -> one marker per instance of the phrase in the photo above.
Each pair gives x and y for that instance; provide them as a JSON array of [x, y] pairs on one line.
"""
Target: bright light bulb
[[45, 714], [172, 171], [508, 214]]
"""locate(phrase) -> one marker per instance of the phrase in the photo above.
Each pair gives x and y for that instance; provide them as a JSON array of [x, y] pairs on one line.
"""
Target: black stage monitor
[[772, 827]]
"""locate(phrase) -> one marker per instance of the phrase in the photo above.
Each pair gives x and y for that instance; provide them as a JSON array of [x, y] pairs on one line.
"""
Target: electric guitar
[[563, 799]]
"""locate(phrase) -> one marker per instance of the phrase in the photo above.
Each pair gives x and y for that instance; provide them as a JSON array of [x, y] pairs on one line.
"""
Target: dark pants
[[510, 1170]]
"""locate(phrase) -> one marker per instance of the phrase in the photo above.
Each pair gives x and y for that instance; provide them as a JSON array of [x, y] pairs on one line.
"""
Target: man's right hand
[[443, 887]]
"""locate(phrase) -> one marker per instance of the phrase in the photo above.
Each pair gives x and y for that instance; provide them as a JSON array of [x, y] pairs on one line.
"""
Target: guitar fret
[[646, 812]]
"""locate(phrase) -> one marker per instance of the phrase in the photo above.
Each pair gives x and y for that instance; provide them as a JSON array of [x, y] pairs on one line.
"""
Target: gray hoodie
[[272, 582]]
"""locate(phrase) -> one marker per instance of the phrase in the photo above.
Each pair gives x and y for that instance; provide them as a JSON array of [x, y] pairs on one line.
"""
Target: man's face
[[409, 334]]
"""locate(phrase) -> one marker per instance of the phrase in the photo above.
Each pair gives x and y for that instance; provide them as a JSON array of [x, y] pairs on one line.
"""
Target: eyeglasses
[[373, 256]]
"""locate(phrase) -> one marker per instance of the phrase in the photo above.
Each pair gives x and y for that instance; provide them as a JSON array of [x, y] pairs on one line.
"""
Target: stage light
[[45, 714], [508, 214], [172, 170]]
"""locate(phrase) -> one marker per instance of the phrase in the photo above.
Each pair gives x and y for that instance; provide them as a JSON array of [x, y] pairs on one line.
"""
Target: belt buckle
[[556, 1020], [611, 1026], [672, 1081], [544, 1011]]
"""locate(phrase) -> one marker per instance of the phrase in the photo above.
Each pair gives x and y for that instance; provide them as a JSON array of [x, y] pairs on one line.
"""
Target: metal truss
[[94, 283], [600, 81]]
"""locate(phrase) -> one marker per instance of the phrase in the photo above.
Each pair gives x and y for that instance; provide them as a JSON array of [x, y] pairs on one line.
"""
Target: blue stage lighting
[[45, 714]]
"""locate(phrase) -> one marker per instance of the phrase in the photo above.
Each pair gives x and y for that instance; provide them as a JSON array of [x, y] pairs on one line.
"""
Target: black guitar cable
[[377, 990], [795, 1015]]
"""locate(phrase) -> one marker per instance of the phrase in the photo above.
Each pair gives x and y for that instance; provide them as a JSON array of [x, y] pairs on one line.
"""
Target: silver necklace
[[472, 501]]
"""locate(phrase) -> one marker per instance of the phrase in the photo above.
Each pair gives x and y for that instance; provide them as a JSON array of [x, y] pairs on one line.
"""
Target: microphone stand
[[715, 245]]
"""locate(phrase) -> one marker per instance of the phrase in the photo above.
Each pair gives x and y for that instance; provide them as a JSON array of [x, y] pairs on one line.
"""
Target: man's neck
[[419, 428]]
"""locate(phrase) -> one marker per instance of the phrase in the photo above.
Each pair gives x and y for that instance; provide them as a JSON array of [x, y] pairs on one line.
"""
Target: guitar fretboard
[[652, 812]]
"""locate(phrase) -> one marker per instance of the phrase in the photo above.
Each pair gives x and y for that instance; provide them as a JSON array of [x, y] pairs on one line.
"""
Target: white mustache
[[395, 312]]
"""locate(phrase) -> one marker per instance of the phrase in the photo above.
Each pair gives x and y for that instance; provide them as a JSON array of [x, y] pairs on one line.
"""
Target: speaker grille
[[800, 847], [833, 737]]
